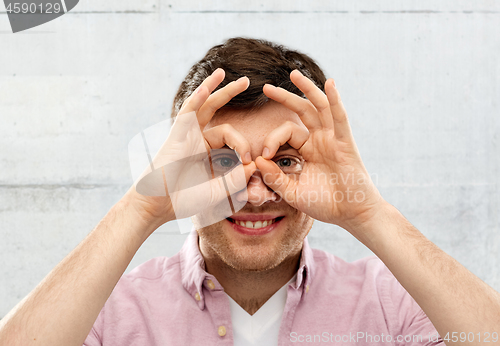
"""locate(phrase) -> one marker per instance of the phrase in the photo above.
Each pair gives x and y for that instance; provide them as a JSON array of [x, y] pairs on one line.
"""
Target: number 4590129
[[470, 337], [25, 7]]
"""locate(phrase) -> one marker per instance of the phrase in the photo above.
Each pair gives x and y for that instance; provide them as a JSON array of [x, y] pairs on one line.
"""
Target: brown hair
[[260, 60]]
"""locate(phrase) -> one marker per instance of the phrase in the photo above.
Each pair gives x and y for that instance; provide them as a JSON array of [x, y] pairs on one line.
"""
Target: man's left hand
[[333, 186]]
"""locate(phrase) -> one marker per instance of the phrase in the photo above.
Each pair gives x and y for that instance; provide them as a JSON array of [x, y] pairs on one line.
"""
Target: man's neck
[[251, 289]]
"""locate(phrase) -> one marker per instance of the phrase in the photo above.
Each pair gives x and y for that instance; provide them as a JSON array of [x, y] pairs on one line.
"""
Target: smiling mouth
[[255, 224]]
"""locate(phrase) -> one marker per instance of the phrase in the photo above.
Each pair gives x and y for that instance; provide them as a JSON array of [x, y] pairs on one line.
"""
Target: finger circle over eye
[[289, 132], [225, 134]]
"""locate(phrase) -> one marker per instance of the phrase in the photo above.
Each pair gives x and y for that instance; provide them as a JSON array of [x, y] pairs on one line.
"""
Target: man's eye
[[286, 162], [289, 164], [221, 161], [224, 163]]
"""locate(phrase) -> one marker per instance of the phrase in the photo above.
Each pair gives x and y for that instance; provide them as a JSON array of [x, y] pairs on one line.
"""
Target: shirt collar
[[193, 268], [194, 274]]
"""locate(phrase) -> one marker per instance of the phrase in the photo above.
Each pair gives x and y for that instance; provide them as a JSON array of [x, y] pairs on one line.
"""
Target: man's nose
[[258, 192]]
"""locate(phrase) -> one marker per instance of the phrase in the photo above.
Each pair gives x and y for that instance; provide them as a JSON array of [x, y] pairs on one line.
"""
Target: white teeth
[[256, 224]]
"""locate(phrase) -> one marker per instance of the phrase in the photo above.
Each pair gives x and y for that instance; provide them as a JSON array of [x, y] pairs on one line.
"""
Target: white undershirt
[[261, 328]]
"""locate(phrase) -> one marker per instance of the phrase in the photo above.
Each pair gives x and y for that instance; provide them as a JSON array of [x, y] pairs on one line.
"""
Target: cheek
[[210, 231], [305, 223]]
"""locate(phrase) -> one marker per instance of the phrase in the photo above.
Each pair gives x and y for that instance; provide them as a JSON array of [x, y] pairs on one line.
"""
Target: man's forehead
[[255, 126], [272, 115]]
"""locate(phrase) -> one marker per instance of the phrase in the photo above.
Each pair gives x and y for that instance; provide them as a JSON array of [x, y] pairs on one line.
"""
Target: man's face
[[257, 249]]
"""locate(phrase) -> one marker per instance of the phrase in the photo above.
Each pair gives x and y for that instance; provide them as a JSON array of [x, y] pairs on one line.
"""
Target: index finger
[[315, 95], [219, 98], [210, 83], [303, 107]]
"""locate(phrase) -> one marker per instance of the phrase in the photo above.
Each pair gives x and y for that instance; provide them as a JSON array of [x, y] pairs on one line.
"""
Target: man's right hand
[[180, 185]]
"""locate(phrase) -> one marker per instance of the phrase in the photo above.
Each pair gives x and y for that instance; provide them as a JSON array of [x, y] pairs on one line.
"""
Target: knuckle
[[283, 98], [291, 127], [210, 107], [322, 107], [226, 127], [231, 93], [342, 117], [304, 111], [310, 107]]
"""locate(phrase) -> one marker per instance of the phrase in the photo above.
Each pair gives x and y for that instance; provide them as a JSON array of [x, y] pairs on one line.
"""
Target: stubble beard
[[255, 254]]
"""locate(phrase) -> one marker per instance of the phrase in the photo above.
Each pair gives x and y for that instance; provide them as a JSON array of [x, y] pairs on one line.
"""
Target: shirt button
[[210, 284], [221, 331], [197, 296]]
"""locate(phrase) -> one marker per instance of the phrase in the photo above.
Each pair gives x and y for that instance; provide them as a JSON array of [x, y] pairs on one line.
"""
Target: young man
[[251, 278]]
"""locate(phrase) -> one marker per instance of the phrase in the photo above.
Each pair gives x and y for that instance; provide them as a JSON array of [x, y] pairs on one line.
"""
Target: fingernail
[[244, 77], [265, 152], [248, 157], [217, 69], [298, 71], [272, 86], [198, 90], [333, 83]]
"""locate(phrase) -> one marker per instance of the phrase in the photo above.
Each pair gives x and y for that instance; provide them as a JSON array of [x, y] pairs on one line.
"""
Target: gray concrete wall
[[420, 81]]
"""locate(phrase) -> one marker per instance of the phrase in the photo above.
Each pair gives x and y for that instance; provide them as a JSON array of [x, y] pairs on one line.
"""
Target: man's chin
[[258, 248], [253, 262]]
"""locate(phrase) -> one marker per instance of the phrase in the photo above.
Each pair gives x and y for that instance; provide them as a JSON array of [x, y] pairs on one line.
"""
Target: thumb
[[274, 177]]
